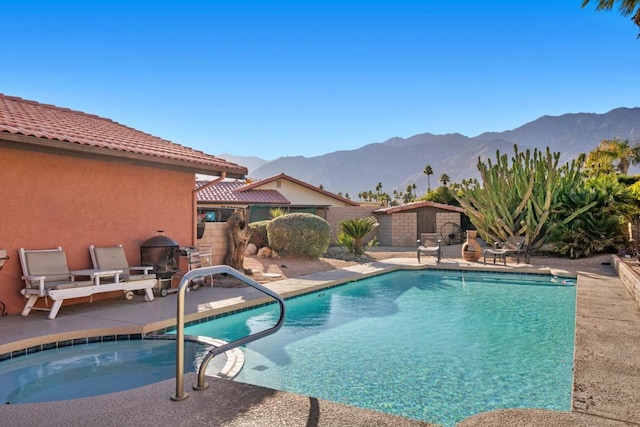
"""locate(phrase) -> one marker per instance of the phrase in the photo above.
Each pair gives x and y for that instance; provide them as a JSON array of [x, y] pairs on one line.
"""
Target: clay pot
[[471, 249]]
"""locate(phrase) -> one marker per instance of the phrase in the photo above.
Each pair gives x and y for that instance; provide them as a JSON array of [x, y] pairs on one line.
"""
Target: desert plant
[[276, 212], [299, 233], [520, 197], [598, 229], [346, 242], [357, 229]]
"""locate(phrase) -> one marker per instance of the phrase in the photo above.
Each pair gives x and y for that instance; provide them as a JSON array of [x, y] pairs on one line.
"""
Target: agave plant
[[357, 229], [599, 229]]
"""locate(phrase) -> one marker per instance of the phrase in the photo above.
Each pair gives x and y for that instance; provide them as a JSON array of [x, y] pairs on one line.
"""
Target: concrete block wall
[[335, 214], [385, 230], [215, 234], [404, 229], [445, 217]]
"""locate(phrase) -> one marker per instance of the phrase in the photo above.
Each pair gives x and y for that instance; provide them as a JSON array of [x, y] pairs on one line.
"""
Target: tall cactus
[[521, 197]]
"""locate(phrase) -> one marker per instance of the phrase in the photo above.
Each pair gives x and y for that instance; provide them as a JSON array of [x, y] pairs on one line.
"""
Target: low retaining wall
[[629, 277]]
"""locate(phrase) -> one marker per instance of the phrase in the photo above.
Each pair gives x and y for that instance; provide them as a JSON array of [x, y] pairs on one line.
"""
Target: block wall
[[404, 229], [335, 214], [445, 217]]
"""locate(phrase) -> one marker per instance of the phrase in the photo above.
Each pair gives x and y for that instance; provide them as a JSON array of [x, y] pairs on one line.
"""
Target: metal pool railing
[[182, 288]]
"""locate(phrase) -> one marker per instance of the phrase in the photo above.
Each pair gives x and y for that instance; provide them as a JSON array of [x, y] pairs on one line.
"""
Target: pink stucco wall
[[49, 200]]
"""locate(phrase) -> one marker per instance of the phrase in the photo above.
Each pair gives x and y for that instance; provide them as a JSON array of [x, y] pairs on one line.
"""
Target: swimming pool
[[435, 346], [97, 368]]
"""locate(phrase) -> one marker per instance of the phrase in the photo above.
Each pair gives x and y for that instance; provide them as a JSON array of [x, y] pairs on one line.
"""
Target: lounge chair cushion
[[53, 265], [110, 258]]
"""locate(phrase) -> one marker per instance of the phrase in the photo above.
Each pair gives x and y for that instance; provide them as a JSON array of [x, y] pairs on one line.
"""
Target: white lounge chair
[[46, 275], [114, 257], [429, 244]]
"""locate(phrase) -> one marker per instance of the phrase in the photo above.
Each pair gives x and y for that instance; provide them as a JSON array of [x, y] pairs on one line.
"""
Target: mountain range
[[399, 162]]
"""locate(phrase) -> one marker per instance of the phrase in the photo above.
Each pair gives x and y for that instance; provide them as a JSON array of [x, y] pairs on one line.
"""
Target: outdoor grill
[[162, 253]]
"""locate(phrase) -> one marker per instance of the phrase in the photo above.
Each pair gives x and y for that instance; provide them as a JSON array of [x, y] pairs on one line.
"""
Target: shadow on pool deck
[[606, 371]]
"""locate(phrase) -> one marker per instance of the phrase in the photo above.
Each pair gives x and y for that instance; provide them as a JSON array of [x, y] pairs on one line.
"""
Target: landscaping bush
[[259, 235], [353, 231], [299, 233]]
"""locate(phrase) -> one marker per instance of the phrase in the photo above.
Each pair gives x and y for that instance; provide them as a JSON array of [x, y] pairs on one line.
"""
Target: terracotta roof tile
[[225, 192], [259, 183], [415, 205], [30, 118]]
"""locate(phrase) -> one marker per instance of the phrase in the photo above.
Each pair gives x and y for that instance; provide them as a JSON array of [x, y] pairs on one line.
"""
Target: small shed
[[402, 225]]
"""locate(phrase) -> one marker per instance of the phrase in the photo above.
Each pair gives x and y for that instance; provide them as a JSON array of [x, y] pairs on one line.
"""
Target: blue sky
[[284, 78]]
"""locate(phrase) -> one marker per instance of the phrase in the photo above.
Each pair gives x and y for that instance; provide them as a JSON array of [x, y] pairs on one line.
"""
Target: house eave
[[56, 147]]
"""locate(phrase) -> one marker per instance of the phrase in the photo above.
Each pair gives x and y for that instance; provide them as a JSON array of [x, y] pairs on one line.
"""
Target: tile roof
[[227, 192], [261, 182], [61, 128], [416, 205]]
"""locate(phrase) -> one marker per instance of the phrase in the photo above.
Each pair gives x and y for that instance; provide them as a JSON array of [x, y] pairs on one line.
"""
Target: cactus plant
[[520, 197]]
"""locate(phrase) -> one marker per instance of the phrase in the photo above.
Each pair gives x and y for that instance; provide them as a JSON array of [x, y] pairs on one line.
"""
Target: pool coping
[[586, 404]]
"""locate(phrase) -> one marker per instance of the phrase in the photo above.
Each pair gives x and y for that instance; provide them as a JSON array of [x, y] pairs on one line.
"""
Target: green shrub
[[346, 242], [259, 233], [299, 233], [356, 229]]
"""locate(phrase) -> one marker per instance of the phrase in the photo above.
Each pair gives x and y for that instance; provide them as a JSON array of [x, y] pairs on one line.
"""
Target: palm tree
[[444, 179], [428, 171], [614, 151], [626, 7], [357, 229]]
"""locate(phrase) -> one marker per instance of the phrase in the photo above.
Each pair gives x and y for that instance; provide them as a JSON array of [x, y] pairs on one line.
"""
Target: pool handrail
[[182, 288]]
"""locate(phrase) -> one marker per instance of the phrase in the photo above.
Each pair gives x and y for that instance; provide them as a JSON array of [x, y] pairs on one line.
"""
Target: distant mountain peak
[[399, 162]]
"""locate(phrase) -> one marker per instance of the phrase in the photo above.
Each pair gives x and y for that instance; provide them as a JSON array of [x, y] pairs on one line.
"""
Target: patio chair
[[513, 245], [429, 244], [114, 258], [47, 276]]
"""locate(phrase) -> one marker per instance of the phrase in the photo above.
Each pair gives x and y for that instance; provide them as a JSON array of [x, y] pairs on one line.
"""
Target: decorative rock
[[251, 249], [264, 252]]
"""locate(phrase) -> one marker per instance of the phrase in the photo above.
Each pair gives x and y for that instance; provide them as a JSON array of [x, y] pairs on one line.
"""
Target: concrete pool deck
[[606, 362]]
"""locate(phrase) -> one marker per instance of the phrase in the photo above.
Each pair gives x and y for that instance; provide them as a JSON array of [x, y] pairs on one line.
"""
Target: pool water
[[434, 346], [91, 369]]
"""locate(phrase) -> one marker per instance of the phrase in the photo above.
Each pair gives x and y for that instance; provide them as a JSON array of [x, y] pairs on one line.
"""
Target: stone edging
[[628, 276]]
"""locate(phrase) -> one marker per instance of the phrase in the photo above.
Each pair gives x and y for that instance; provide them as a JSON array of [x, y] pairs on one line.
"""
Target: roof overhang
[[57, 147]]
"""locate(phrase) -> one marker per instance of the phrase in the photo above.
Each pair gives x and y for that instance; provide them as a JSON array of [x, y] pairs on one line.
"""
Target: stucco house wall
[[51, 200], [72, 179]]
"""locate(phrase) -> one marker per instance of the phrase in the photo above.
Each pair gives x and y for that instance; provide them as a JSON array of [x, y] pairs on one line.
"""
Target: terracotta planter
[[471, 249]]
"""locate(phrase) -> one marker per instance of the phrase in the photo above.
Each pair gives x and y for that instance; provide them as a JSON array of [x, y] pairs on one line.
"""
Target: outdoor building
[[403, 225], [72, 179], [217, 200]]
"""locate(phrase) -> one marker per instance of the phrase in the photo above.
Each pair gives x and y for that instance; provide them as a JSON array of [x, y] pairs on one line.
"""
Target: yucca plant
[[599, 229], [276, 212], [357, 229]]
